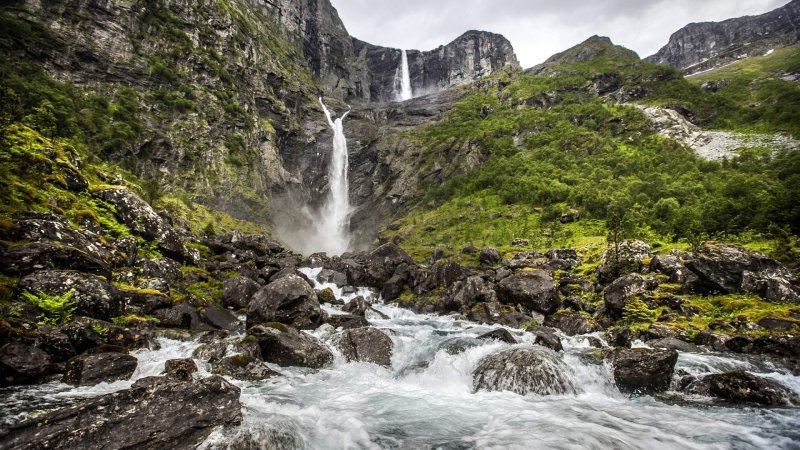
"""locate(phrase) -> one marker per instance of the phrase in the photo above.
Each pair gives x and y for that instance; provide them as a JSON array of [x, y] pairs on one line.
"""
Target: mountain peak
[[592, 48]]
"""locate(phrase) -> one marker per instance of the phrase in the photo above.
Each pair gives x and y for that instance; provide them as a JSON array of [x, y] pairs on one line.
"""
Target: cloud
[[536, 28]]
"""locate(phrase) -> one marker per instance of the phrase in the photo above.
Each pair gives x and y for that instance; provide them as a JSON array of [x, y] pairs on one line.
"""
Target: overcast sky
[[536, 28]]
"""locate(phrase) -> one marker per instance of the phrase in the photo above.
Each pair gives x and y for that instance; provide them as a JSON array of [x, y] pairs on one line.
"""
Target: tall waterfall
[[333, 226], [405, 79]]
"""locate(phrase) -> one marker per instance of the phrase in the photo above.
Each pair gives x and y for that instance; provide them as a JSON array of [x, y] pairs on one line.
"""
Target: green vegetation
[[56, 309], [131, 320]]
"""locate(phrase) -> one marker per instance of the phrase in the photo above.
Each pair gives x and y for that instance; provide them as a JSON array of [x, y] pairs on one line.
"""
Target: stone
[[534, 290], [285, 346], [393, 288], [289, 300], [547, 338], [156, 412], [243, 367], [212, 351], [160, 268], [714, 341], [180, 369], [745, 388], [366, 344], [182, 315], [327, 296], [631, 260], [523, 371], [219, 318], [87, 370], [642, 370], [673, 343], [347, 321], [44, 227], [489, 257], [571, 323], [332, 276], [499, 334], [357, 306], [466, 293], [21, 260], [237, 292], [92, 296], [617, 294], [20, 363]]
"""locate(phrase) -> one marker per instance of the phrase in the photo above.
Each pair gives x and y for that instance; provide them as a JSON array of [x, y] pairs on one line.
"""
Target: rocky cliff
[[702, 46]]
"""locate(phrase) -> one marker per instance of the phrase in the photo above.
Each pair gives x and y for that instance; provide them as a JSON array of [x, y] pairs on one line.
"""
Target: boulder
[[616, 295], [156, 412], [673, 343], [45, 227], [744, 388], [20, 363], [358, 306], [465, 293], [523, 371], [546, 337], [730, 269], [21, 260], [445, 273], [332, 276], [714, 341], [219, 318], [289, 300], [365, 344], [285, 346], [243, 367], [143, 220], [92, 295], [672, 266], [164, 268], [238, 292], [347, 321], [500, 334], [632, 255], [643, 370], [180, 369], [182, 315], [87, 370], [534, 290], [211, 352], [489, 257], [619, 337], [571, 323]]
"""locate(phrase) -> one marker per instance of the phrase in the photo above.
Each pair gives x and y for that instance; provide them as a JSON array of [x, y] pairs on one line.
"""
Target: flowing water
[[425, 400], [405, 79]]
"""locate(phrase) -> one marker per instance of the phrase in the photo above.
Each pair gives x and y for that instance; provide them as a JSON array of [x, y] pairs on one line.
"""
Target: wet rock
[[180, 369], [20, 363], [347, 321], [619, 337], [523, 371], [534, 290], [219, 318], [182, 315], [642, 370], [617, 294], [289, 300], [729, 269], [744, 388], [285, 346], [357, 306], [244, 367], [456, 345], [489, 256], [155, 413], [571, 323], [630, 260], [327, 296], [21, 260], [393, 287], [332, 276], [92, 295], [87, 370], [445, 273], [143, 220], [365, 344], [238, 292], [673, 343], [464, 294], [500, 334], [594, 342], [714, 341], [547, 338], [212, 351]]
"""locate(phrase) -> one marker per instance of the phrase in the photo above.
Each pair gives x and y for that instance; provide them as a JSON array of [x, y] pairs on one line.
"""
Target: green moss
[[130, 320], [277, 325]]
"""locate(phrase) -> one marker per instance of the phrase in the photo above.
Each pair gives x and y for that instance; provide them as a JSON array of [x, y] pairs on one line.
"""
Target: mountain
[[702, 46]]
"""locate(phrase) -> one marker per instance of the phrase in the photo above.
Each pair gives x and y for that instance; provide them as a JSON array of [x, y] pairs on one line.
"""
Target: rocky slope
[[702, 46]]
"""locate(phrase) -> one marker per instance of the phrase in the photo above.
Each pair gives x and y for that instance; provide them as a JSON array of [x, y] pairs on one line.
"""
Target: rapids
[[425, 400]]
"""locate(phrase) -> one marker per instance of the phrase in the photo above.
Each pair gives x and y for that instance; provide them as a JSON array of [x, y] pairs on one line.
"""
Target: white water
[[331, 233], [425, 400], [405, 79]]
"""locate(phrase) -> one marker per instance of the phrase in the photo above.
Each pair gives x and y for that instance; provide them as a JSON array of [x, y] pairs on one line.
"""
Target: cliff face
[[703, 46]]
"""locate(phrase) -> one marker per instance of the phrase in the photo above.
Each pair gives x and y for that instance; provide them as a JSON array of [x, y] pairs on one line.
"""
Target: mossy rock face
[[327, 296]]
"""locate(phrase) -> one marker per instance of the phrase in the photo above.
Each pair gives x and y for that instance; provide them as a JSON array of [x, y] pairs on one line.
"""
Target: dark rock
[[619, 337], [143, 303], [154, 413], [347, 321], [642, 370], [744, 388], [392, 288], [289, 300], [21, 260], [366, 344], [630, 260], [489, 257], [244, 367], [438, 254], [285, 346], [469, 250], [464, 294], [160, 268], [219, 318], [672, 266], [547, 338], [571, 323], [445, 273], [617, 294], [534, 290], [774, 323], [523, 371], [92, 296], [182, 315], [332, 276], [594, 342], [357, 306], [43, 227], [87, 370], [563, 258], [20, 363], [180, 369], [500, 334], [211, 352], [714, 341], [327, 296], [673, 343]]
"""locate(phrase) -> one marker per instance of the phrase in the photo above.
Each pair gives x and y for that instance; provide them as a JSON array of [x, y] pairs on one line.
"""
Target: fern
[[55, 309], [636, 311]]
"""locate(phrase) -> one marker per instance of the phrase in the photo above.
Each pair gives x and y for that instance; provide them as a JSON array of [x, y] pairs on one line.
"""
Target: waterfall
[[332, 234], [405, 79]]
